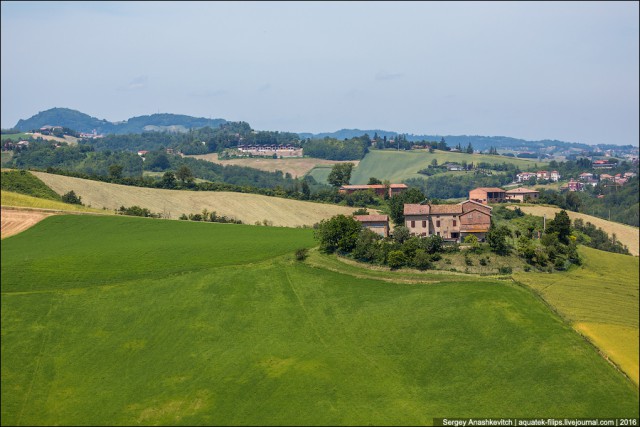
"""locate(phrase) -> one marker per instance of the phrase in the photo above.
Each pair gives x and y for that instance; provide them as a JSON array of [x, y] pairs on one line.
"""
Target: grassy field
[[321, 173], [16, 136], [397, 166], [297, 167], [123, 321], [600, 299], [626, 234], [249, 208]]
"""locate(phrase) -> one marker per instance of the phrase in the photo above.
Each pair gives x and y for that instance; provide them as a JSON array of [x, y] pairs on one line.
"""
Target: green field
[[601, 300], [321, 173], [16, 136], [397, 166], [123, 321]]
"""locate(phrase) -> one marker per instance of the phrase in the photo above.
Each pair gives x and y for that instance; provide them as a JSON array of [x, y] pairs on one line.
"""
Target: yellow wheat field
[[249, 208]]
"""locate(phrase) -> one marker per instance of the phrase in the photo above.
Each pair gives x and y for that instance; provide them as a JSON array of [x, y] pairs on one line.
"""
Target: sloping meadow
[[123, 321]]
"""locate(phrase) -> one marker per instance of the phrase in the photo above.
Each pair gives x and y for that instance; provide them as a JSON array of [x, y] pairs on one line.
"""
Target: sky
[[532, 70]]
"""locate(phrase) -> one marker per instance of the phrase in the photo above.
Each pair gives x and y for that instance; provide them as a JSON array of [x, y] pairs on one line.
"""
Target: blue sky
[[532, 70]]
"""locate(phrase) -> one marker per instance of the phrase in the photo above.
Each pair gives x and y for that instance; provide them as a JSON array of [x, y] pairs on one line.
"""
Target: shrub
[[422, 260], [396, 259], [505, 270], [71, 198], [302, 254]]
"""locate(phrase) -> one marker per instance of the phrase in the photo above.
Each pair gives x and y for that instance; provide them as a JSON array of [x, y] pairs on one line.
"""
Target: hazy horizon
[[564, 71]]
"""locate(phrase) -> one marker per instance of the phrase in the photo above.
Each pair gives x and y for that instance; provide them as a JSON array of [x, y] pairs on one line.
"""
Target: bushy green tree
[[396, 203], [401, 233], [340, 174], [396, 259], [338, 233], [561, 224], [367, 247], [71, 198], [497, 239], [422, 260]]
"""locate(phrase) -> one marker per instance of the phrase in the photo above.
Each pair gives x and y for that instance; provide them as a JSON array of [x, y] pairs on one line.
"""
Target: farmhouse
[[525, 176], [522, 194], [377, 223], [451, 222], [379, 189], [486, 195], [573, 186]]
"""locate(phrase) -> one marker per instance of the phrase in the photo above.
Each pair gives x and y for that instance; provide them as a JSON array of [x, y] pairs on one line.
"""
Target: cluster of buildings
[[451, 222], [270, 150], [587, 178], [93, 135], [541, 175]]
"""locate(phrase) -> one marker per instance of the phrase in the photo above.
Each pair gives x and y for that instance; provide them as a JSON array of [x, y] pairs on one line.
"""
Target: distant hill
[[478, 142], [82, 122], [348, 133]]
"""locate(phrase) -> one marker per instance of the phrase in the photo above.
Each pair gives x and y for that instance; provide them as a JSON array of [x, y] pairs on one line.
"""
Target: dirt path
[[15, 221]]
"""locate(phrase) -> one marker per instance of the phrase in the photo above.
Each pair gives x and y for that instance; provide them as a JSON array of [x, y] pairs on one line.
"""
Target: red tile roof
[[469, 205], [372, 218], [446, 209], [416, 209], [489, 189]]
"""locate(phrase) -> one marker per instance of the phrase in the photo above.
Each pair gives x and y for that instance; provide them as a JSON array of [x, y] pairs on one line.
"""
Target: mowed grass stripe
[[233, 346], [79, 251]]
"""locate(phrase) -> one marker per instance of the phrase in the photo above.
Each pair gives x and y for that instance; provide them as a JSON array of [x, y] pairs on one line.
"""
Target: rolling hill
[[82, 122], [249, 208], [110, 320], [397, 166]]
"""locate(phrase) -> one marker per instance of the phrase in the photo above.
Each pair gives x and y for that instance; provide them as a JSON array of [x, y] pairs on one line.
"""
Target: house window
[[424, 224], [413, 224], [438, 223], [454, 223]]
